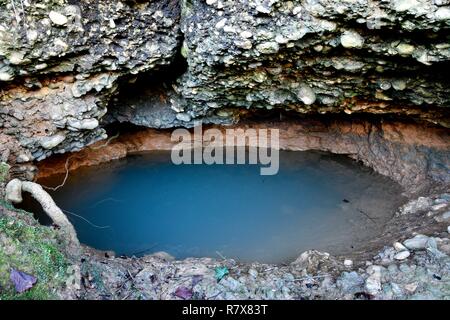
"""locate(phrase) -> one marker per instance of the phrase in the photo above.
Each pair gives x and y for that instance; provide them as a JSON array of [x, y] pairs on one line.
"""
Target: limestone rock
[[402, 255], [419, 242], [58, 18], [52, 141], [351, 39]]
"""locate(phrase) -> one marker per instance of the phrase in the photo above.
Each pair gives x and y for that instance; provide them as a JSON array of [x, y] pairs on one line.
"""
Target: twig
[[126, 297], [66, 166], [130, 277], [221, 255], [92, 224], [106, 143], [23, 14], [145, 250], [312, 277], [16, 15], [104, 200], [367, 216], [214, 296]]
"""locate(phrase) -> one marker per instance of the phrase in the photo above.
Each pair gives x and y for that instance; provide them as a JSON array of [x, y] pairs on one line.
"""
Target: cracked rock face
[[317, 56], [60, 62], [63, 62]]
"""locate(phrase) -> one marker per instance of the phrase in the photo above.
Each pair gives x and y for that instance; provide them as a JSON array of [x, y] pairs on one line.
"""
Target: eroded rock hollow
[[65, 62], [83, 82]]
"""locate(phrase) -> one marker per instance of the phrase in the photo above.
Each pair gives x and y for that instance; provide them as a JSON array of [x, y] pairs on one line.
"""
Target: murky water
[[144, 204]]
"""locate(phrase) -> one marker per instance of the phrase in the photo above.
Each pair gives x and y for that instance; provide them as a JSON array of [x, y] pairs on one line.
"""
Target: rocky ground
[[416, 266]]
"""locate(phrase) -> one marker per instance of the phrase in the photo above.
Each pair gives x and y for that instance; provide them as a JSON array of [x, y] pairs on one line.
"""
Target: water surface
[[144, 204]]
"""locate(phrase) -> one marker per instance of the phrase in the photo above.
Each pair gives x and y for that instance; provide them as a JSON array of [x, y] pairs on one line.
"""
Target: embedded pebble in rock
[[306, 94], [21, 158], [385, 85], [58, 18], [405, 49], [351, 39], [221, 23], [85, 124], [183, 117], [245, 44], [4, 76], [268, 47], [246, 34], [443, 13], [52, 141], [32, 35], [399, 85], [404, 5], [419, 242], [253, 273], [16, 58]]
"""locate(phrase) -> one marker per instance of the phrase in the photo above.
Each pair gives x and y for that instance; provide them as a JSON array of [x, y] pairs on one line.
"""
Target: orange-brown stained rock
[[384, 146]]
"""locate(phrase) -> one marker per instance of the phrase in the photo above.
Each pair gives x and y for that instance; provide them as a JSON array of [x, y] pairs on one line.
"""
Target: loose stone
[[402, 255], [58, 18], [399, 247], [419, 242]]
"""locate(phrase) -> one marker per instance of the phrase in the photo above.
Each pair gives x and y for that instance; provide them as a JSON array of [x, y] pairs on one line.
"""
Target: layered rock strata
[[62, 64]]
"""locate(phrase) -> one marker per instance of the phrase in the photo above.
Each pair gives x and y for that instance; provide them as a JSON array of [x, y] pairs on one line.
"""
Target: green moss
[[33, 249], [184, 50], [4, 169]]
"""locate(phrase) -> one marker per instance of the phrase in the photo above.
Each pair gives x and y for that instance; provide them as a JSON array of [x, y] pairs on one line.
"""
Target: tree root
[[14, 190], [67, 167]]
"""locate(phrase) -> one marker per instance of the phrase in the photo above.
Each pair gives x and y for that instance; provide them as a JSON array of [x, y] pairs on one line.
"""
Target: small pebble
[[348, 262], [402, 255], [58, 18], [399, 247]]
